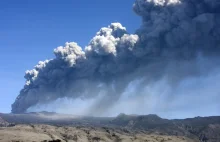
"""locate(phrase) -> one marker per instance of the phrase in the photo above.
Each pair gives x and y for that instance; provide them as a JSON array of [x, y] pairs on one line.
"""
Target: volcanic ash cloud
[[149, 71]]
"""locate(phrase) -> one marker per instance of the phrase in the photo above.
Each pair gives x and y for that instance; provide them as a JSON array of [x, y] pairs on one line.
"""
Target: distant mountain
[[142, 121], [198, 127], [43, 112], [39, 118]]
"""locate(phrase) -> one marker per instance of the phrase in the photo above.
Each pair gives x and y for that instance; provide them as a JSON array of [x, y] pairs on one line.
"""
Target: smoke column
[[170, 66]]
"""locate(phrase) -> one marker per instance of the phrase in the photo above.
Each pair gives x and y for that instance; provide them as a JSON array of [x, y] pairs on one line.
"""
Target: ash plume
[[149, 71]]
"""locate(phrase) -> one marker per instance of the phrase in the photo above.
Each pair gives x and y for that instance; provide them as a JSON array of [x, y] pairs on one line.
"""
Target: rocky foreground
[[52, 127], [47, 133]]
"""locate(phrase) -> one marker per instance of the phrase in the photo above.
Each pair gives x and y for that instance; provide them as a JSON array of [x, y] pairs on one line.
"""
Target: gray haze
[[170, 66]]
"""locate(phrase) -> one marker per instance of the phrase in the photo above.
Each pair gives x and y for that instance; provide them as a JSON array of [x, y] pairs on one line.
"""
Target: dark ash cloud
[[177, 41]]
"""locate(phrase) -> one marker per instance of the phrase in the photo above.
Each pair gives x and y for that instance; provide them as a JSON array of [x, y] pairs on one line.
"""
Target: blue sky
[[31, 29]]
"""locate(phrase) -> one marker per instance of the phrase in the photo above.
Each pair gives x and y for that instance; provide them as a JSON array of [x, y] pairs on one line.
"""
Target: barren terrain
[[52, 127], [43, 133]]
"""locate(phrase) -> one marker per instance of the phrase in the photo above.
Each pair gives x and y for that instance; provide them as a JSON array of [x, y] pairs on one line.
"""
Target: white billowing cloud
[[163, 2], [128, 41], [106, 40], [71, 52], [103, 45]]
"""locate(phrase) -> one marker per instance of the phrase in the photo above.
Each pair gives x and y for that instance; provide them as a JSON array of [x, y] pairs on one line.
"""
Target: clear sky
[[31, 29]]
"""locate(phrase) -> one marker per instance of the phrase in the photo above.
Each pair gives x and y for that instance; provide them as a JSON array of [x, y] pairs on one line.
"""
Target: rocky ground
[[47, 133]]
